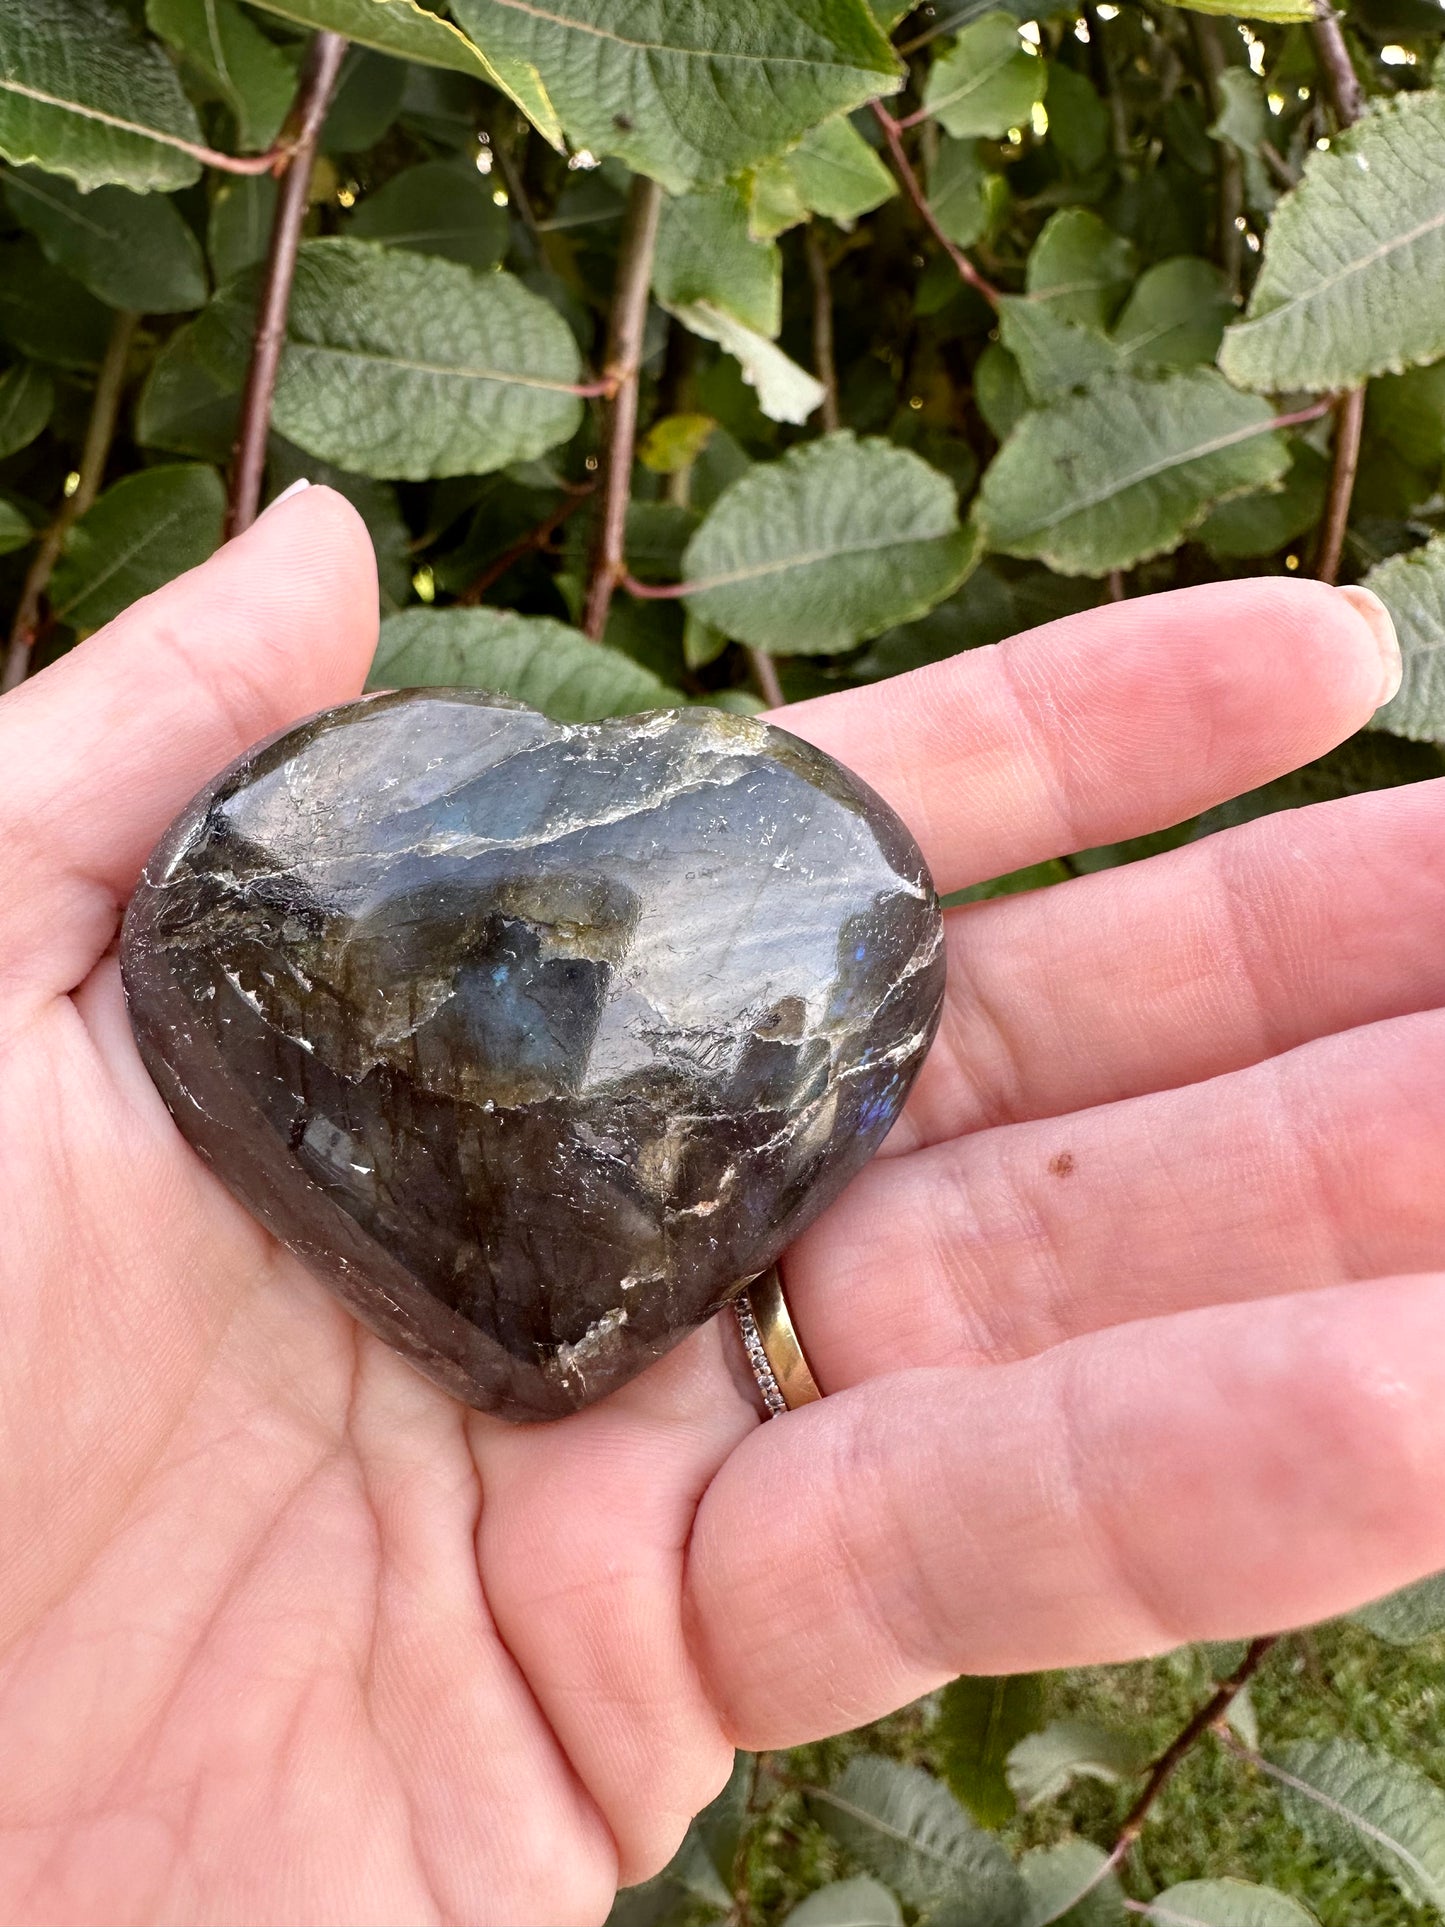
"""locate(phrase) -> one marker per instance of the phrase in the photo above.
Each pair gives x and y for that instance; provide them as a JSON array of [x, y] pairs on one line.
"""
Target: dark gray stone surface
[[535, 1041]]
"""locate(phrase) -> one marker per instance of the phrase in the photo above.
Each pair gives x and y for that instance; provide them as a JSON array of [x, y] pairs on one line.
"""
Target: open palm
[[287, 1635]]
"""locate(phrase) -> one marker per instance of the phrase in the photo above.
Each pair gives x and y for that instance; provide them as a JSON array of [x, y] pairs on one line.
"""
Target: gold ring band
[[774, 1349]]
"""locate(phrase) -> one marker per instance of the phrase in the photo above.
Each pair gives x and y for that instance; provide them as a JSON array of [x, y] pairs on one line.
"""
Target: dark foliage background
[[739, 351]]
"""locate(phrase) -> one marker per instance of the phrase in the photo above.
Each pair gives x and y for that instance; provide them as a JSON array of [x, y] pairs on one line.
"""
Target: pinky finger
[[1222, 1473]]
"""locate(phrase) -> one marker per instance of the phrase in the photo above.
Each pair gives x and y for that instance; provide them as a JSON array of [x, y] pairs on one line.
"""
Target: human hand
[[1116, 1341]]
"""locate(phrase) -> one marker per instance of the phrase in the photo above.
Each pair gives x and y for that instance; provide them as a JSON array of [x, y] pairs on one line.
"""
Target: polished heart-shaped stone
[[536, 1041]]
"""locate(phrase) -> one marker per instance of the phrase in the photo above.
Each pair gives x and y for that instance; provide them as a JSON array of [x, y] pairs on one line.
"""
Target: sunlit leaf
[[1405, 1618], [1227, 1903], [1370, 1808], [1044, 1764], [978, 1724], [987, 82], [1069, 1885], [233, 61]]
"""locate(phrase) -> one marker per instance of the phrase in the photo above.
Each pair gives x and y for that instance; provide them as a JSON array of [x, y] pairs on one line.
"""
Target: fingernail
[[286, 494], [1382, 626]]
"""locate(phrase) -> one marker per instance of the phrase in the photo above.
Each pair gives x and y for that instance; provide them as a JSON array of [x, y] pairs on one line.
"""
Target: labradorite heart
[[534, 1040]]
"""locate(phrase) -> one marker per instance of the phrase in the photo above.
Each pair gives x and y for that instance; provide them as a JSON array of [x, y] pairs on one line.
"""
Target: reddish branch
[[623, 367], [1347, 98], [299, 139], [913, 188], [99, 434], [526, 545], [825, 366]]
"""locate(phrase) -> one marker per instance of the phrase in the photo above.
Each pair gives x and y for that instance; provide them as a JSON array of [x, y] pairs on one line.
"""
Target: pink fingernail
[[1366, 603]]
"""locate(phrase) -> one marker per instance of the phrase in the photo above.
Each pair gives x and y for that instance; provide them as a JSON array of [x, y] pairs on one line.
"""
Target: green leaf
[[1057, 1876], [1176, 315], [1054, 355], [979, 1723], [530, 658], [1408, 412], [962, 192], [706, 253], [47, 315], [405, 366], [1263, 522], [786, 392], [1405, 1618], [1044, 1765], [1369, 1808], [1412, 588], [987, 82], [837, 174], [239, 229], [15, 530], [1244, 123], [414, 32], [998, 388], [144, 531], [691, 95], [439, 207], [837, 541], [1276, 12], [847, 1903], [82, 94], [674, 442], [232, 61], [1227, 1903], [1080, 268], [130, 250], [27, 395], [367, 101], [1078, 119], [908, 1829], [1354, 258], [183, 408], [1105, 479]]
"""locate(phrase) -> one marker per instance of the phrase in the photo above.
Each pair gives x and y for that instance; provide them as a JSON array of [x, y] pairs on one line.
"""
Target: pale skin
[[1133, 1335]]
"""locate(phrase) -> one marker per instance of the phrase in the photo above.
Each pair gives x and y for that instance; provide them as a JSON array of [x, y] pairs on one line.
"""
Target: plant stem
[[99, 434], [765, 675], [624, 360], [1347, 98], [536, 538], [1105, 82], [825, 366], [914, 190], [1349, 425], [303, 130], [1228, 165]]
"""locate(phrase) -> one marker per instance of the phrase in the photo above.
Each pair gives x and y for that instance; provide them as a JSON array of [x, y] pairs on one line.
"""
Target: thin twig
[[516, 187], [1349, 426], [825, 366], [534, 539], [765, 675], [99, 434], [1228, 164], [1286, 175], [308, 112], [1347, 98], [914, 190], [624, 361], [1117, 591], [1341, 81], [656, 591], [1105, 82]]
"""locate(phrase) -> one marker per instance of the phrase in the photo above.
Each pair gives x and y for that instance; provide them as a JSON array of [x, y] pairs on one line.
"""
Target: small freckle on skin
[[1061, 1165]]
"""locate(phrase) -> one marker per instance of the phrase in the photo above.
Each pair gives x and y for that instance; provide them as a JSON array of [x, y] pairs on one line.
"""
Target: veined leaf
[[705, 252], [27, 395], [786, 392], [1175, 316], [847, 1903], [1265, 520], [144, 531], [987, 82], [1054, 355], [1412, 588], [1227, 1903], [837, 541], [1057, 1876], [530, 658], [963, 192], [404, 366], [979, 1723], [1354, 259], [1405, 1618], [438, 207], [1045, 1764], [1274, 12], [183, 408], [832, 171], [1370, 1808], [691, 95], [15, 530], [1123, 471], [1079, 267], [82, 94], [413, 32], [130, 250], [908, 1828], [233, 60]]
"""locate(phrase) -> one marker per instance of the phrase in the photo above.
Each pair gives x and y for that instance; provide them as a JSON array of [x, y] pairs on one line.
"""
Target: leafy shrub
[[757, 351]]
